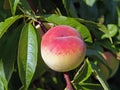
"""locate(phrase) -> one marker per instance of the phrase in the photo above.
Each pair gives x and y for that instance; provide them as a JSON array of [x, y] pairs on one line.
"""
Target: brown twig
[[32, 6], [44, 29], [68, 82]]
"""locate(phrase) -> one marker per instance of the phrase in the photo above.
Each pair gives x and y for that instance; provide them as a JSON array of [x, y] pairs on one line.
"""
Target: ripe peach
[[62, 48], [113, 64]]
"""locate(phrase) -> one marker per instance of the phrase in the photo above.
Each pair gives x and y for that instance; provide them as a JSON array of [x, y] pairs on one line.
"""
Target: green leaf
[[1, 85], [108, 45], [8, 49], [3, 81], [62, 20], [83, 73], [96, 55], [13, 5], [106, 32], [70, 9], [88, 86], [26, 9], [100, 77], [85, 11], [7, 23], [41, 66], [25, 4], [96, 28], [27, 54], [118, 12], [89, 2], [117, 40], [112, 30]]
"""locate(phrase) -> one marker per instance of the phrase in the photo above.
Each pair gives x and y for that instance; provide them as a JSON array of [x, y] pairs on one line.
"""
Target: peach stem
[[44, 29], [68, 82]]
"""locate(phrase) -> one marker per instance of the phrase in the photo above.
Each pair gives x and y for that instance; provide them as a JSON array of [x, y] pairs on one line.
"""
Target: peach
[[113, 64], [62, 48]]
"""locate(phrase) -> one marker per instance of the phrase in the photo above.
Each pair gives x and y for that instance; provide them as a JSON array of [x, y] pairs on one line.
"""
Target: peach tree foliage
[[21, 64]]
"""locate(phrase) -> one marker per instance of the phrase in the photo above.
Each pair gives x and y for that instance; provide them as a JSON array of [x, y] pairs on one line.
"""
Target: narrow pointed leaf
[[1, 85], [7, 23], [87, 86], [8, 50], [118, 13], [107, 44], [27, 54], [83, 73], [93, 53], [3, 81], [26, 9], [100, 78], [70, 9], [13, 5]]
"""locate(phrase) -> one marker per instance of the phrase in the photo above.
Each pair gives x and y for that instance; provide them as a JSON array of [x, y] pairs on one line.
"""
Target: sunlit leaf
[[7, 23], [27, 54], [62, 20], [112, 30], [106, 32], [1, 85]]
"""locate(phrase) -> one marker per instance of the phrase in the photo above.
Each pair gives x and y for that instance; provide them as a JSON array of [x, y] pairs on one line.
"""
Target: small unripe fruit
[[113, 64], [62, 48]]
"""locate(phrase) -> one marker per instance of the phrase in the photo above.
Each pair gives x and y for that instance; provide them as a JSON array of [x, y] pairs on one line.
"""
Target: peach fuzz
[[112, 62], [62, 48]]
